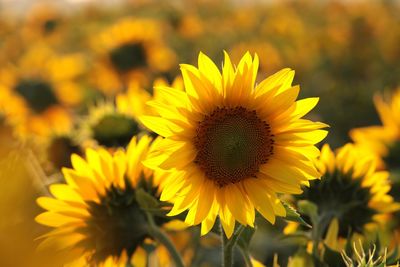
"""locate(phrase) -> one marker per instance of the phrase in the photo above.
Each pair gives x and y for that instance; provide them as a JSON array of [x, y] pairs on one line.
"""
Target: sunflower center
[[128, 57], [116, 224], [50, 25], [231, 145], [341, 196], [37, 93], [115, 130]]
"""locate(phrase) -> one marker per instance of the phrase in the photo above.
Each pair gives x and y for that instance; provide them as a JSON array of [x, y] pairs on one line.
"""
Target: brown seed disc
[[231, 144]]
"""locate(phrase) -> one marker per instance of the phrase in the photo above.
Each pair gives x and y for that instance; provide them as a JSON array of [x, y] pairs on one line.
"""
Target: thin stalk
[[246, 256], [158, 234], [226, 250], [229, 244]]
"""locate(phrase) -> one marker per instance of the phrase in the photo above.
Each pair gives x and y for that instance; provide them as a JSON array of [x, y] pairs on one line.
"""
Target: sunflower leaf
[[393, 257], [293, 216], [310, 209]]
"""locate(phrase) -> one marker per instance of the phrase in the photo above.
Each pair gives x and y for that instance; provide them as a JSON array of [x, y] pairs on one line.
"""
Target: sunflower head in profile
[[131, 48], [233, 145], [96, 217], [351, 190], [383, 141]]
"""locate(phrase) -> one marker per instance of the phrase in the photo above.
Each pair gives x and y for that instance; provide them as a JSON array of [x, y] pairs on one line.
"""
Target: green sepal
[[145, 200], [293, 216]]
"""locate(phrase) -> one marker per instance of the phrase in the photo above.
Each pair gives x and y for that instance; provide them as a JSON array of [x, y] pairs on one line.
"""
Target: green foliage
[[293, 216]]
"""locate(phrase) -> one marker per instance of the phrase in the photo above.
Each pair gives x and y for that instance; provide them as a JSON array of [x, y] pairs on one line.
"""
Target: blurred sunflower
[[35, 91], [351, 191], [113, 125], [10, 41], [270, 59], [129, 49], [59, 149], [133, 101], [383, 141], [96, 215], [43, 22], [190, 26], [232, 145]]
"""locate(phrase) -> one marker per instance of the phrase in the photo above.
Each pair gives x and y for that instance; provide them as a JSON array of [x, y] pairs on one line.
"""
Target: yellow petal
[[260, 199], [54, 219], [139, 258], [236, 203]]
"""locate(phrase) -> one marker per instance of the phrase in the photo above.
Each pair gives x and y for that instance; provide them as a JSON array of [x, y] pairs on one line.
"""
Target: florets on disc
[[232, 144]]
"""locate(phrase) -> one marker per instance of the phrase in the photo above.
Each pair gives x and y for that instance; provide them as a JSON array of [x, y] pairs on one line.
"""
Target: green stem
[[156, 232], [229, 244], [315, 239], [226, 250], [235, 237], [319, 228], [246, 256]]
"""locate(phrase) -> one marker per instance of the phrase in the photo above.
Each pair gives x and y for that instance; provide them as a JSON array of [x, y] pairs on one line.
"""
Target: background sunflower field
[[76, 76]]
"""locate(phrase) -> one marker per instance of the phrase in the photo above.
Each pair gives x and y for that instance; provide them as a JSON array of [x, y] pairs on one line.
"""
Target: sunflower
[[43, 22], [270, 58], [231, 145], [59, 149], [113, 125], [96, 216], [35, 91], [351, 190], [133, 101], [129, 49], [383, 141]]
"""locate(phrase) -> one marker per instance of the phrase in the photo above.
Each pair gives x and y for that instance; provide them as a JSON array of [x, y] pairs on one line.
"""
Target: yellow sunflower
[[113, 125], [270, 58], [130, 49], [351, 191], [43, 22], [34, 91], [383, 141], [133, 101], [233, 145], [96, 215]]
